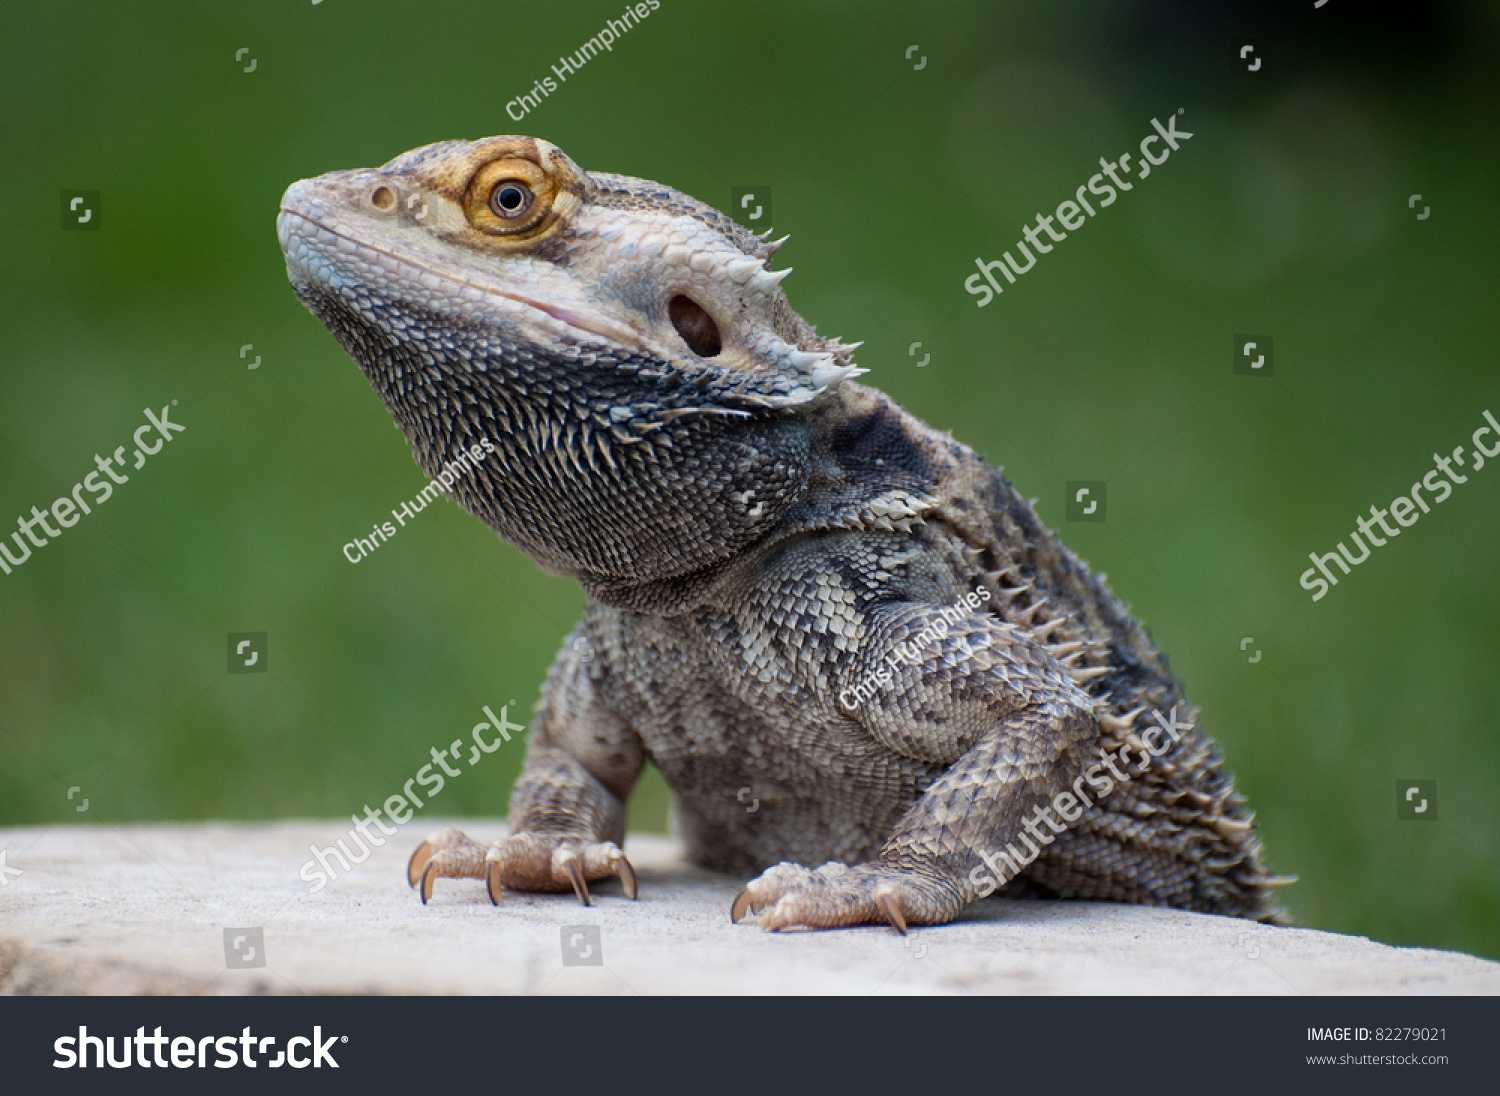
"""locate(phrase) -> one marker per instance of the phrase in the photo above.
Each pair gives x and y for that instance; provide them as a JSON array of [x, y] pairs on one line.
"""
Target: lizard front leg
[[978, 695], [567, 810]]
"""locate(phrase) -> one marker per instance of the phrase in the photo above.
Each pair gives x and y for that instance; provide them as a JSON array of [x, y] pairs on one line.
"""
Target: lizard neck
[[868, 471]]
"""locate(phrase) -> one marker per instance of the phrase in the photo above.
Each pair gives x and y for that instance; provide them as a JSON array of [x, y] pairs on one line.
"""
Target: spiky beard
[[613, 466]]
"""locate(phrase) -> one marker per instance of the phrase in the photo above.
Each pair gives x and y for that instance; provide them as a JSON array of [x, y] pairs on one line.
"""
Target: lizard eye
[[515, 198], [510, 199]]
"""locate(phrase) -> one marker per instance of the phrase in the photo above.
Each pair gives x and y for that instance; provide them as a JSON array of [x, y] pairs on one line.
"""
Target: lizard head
[[626, 349]]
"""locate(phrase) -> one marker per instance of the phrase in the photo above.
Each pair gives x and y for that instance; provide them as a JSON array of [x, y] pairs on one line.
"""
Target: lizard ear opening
[[695, 325]]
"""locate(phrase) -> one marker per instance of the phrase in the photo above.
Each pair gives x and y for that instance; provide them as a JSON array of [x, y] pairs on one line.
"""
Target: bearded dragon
[[796, 589]]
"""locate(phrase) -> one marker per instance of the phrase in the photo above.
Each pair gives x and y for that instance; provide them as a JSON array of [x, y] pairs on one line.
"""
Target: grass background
[[1285, 214]]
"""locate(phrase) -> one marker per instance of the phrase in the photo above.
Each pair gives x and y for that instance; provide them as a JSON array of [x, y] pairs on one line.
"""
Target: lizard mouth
[[293, 226]]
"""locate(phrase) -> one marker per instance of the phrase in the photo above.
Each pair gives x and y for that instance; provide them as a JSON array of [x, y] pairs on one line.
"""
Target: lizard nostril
[[383, 197], [695, 325]]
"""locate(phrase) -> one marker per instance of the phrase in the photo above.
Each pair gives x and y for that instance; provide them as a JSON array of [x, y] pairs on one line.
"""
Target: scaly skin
[[757, 534]]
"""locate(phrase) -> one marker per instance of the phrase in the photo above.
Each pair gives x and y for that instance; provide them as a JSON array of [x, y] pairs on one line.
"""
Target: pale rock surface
[[143, 908]]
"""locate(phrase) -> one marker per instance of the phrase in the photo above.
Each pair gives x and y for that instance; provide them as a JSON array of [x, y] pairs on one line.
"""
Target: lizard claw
[[567, 859], [418, 861], [450, 853], [434, 844], [890, 905], [626, 873]]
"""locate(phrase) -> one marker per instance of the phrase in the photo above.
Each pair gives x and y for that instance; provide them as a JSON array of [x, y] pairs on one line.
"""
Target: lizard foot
[[790, 896], [543, 862]]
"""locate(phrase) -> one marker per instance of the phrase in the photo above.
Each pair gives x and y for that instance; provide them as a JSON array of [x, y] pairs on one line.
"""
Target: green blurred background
[[1285, 214]]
